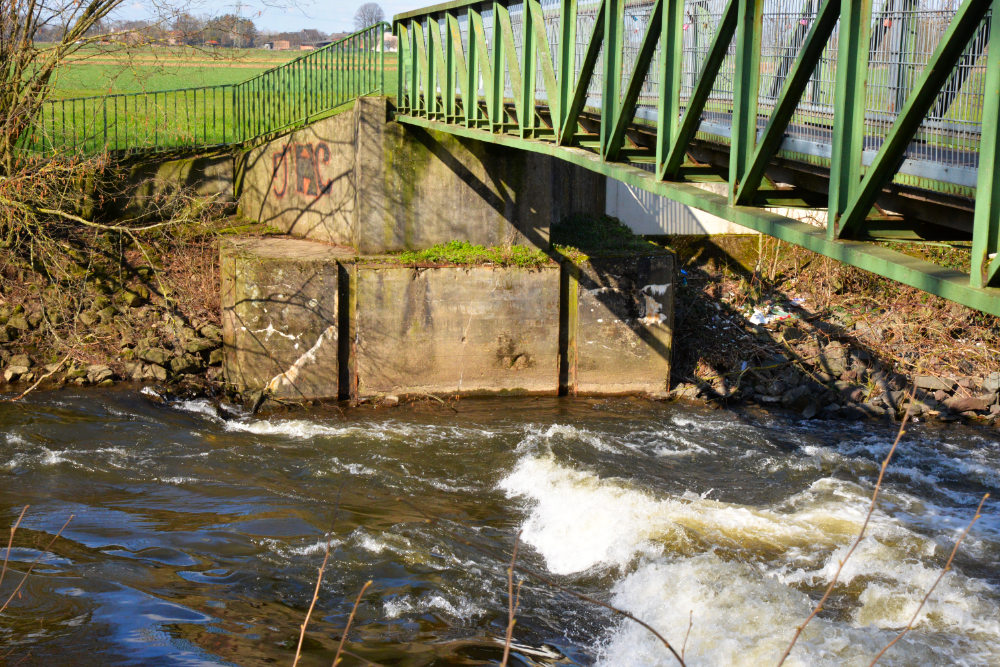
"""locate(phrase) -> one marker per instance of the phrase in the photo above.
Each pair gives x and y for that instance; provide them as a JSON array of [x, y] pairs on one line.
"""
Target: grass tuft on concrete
[[464, 253]]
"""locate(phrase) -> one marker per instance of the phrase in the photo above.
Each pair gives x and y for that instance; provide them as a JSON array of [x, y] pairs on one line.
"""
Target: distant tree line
[[227, 31]]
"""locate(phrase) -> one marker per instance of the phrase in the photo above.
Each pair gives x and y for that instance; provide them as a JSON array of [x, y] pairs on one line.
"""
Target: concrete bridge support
[[327, 311]]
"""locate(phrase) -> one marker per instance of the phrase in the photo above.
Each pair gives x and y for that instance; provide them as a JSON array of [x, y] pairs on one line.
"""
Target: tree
[[368, 14]]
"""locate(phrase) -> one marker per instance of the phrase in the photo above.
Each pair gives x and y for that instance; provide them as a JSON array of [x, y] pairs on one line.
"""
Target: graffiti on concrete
[[308, 161]]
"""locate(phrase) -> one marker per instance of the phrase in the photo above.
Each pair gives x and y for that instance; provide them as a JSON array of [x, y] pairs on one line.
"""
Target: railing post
[[614, 18], [471, 105], [529, 68], [746, 91], [985, 270], [668, 110], [567, 62], [849, 108]]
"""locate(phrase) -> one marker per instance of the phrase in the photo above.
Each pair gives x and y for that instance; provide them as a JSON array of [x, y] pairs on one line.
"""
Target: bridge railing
[[900, 36], [284, 97], [876, 91]]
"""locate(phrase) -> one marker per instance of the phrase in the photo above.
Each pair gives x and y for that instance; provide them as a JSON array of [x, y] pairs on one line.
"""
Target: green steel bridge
[[842, 126], [836, 125]]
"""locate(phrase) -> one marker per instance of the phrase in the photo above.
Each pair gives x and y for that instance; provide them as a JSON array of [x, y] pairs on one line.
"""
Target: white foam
[[462, 608]]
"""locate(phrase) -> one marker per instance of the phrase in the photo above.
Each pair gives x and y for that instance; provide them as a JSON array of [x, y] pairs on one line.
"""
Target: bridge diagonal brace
[[699, 96], [510, 54], [460, 67], [544, 55], [953, 43], [791, 93], [625, 111], [579, 98], [481, 56], [404, 97], [422, 61], [440, 72]]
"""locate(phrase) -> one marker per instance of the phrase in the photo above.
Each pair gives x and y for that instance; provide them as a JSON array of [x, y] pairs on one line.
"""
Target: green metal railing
[[868, 89], [285, 97]]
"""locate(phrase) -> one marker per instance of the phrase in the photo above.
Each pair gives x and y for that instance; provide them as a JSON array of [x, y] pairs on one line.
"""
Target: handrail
[[280, 98]]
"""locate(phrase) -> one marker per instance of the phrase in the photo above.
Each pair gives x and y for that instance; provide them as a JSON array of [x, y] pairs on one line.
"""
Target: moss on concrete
[[463, 253]]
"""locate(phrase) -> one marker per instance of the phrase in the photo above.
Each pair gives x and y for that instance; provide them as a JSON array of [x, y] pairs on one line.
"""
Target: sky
[[277, 15]]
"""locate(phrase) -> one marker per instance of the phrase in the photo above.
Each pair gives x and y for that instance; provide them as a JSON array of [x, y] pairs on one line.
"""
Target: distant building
[[277, 45], [391, 43], [306, 47]]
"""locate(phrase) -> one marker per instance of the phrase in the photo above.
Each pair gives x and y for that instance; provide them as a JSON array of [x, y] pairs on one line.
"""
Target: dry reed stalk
[[944, 571], [312, 604], [10, 542], [688, 633], [350, 619], [34, 562], [513, 601], [857, 541]]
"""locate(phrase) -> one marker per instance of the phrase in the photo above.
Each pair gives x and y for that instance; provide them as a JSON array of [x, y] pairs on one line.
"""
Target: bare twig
[[513, 601], [40, 380], [690, 620], [34, 563], [312, 603], [944, 571], [13, 529], [857, 541], [350, 619]]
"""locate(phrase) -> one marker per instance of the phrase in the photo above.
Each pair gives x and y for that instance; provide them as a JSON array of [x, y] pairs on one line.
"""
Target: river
[[196, 538]]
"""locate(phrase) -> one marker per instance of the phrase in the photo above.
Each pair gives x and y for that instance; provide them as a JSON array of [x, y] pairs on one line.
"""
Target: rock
[[19, 322], [390, 400], [20, 360], [108, 314], [810, 410], [211, 332], [155, 372], [199, 345], [75, 373], [185, 363], [797, 398], [941, 395], [136, 296], [215, 357], [98, 373], [154, 355], [14, 373], [932, 383], [88, 318], [969, 403], [992, 383], [133, 369], [685, 390], [834, 358], [34, 319], [8, 334], [995, 409], [107, 382]]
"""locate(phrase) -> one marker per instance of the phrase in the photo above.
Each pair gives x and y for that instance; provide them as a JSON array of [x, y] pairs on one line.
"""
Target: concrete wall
[[310, 320], [356, 179], [280, 311], [623, 329], [457, 330]]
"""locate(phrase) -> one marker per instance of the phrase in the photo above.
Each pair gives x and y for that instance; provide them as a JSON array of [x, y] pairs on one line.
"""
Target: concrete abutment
[[324, 313]]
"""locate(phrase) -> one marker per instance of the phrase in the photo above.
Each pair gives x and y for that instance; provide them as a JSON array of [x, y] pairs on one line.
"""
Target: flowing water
[[196, 539]]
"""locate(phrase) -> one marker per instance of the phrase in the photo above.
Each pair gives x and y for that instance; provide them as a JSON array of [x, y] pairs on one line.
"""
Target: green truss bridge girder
[[870, 97]]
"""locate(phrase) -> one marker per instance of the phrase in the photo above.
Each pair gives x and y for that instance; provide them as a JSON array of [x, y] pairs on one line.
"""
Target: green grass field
[[174, 97]]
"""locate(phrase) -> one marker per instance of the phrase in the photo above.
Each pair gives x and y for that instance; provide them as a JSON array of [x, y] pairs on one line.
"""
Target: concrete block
[[280, 316], [456, 330], [624, 323]]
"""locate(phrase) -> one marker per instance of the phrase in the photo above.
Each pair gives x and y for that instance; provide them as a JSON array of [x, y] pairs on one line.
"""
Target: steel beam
[[953, 43], [985, 271], [749, 26], [796, 80], [670, 165]]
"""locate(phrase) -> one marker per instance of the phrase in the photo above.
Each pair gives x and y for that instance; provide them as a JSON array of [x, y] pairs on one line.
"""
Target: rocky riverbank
[[761, 323], [757, 324]]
